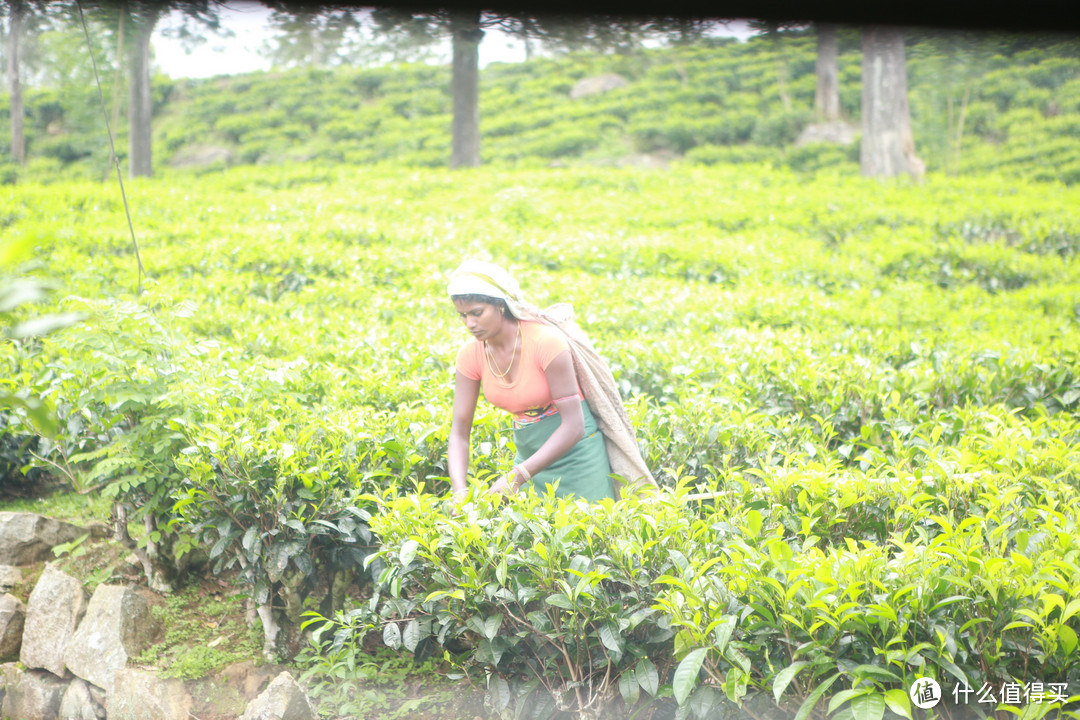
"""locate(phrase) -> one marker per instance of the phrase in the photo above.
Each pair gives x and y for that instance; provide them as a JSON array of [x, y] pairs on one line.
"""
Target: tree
[[142, 16], [25, 19], [888, 148], [465, 36], [18, 144], [405, 31], [466, 27], [322, 36], [603, 33], [827, 93]]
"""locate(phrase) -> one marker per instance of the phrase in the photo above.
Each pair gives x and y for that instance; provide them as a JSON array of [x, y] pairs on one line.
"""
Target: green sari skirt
[[583, 472]]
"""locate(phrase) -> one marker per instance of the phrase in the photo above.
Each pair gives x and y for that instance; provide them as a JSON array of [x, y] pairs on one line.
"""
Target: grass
[[64, 505], [204, 632]]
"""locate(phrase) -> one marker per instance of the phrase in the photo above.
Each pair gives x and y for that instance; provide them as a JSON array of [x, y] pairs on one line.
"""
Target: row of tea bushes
[[859, 368]]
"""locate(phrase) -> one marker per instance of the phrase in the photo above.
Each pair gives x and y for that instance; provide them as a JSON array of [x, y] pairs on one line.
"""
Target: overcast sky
[[244, 51]]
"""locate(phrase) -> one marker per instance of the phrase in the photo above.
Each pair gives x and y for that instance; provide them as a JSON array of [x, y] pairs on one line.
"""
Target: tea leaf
[[686, 674]]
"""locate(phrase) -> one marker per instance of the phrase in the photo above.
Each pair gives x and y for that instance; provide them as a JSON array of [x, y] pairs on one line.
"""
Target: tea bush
[[859, 400]]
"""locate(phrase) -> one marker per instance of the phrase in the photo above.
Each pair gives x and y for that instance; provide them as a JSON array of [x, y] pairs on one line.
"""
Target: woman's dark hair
[[474, 298]]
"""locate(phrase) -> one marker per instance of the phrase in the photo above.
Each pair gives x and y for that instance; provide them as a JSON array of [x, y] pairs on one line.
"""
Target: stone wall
[[64, 653]]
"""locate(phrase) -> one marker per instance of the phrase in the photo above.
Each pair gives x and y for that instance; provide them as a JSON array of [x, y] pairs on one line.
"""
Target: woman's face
[[482, 319]]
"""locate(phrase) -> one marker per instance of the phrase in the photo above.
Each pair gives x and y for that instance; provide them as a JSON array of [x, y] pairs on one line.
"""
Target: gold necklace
[[489, 356]]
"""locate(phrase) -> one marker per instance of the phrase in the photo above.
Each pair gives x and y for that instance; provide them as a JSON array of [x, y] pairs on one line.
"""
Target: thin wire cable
[[112, 147]]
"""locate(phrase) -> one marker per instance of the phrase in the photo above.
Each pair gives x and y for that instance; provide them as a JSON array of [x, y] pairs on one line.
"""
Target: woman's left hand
[[502, 486]]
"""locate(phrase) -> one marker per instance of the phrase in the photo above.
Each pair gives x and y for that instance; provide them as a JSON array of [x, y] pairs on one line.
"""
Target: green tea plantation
[[859, 400]]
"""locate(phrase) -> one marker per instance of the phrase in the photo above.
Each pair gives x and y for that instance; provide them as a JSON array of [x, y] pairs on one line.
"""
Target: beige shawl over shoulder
[[601, 392]]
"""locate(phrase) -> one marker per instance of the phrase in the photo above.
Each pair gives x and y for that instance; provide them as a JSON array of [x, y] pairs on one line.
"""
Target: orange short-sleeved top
[[529, 396]]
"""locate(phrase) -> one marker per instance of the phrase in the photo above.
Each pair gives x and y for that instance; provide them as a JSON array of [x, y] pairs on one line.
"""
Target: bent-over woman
[[524, 367]]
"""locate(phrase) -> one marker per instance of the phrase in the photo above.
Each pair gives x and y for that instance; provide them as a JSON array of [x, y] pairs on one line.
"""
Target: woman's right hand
[[510, 483]]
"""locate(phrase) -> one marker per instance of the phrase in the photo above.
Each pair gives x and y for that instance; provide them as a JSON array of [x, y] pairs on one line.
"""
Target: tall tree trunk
[[827, 95], [18, 139], [888, 148], [140, 108], [465, 88]]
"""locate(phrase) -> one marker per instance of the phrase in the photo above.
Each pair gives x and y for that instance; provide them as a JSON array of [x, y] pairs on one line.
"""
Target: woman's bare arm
[[466, 393]]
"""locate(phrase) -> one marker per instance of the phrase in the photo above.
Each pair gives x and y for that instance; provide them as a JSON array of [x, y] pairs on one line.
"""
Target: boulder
[[836, 133], [27, 538], [53, 611], [9, 675], [117, 625], [596, 85], [97, 695], [10, 576], [250, 679], [141, 695], [198, 156], [31, 694], [12, 620], [79, 704], [283, 699]]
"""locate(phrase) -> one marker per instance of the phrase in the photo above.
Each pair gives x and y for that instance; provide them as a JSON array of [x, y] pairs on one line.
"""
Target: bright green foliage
[[115, 377], [979, 102], [276, 500], [780, 586], [23, 412], [344, 682], [556, 599], [877, 383]]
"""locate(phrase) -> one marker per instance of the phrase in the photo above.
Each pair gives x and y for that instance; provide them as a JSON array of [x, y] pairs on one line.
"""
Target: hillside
[[979, 103]]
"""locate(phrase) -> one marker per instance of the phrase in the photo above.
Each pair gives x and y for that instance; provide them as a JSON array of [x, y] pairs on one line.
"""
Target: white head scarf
[[476, 277]]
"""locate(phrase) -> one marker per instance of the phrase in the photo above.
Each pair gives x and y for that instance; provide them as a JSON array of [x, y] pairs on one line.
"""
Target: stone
[[250, 679], [97, 694], [27, 538], [836, 133], [283, 699], [10, 576], [141, 695], [12, 620], [53, 611], [9, 676], [31, 694], [117, 626], [198, 156], [596, 85], [79, 704]]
